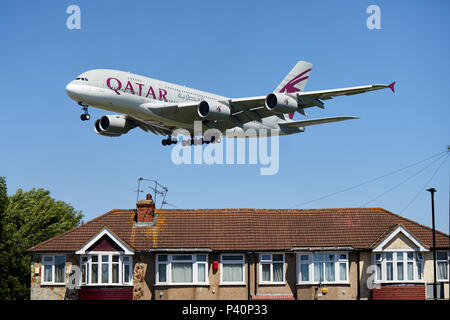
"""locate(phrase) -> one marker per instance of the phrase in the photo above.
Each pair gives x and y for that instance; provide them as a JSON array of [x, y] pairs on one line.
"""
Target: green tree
[[3, 261], [29, 218], [3, 199]]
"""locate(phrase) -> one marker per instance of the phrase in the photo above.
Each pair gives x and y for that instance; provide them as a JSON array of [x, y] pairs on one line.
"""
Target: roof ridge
[[76, 228], [278, 210]]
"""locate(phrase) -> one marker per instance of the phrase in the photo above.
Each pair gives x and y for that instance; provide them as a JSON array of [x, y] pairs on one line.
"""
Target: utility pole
[[432, 191]]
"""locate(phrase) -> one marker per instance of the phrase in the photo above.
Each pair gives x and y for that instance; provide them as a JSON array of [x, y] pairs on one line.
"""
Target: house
[[305, 254]]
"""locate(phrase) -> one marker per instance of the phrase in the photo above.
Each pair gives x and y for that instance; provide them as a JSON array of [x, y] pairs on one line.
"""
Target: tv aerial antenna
[[157, 189]]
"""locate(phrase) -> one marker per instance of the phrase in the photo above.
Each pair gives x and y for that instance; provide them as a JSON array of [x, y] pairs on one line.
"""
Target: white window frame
[[52, 264], [121, 277], [241, 261], [443, 261], [271, 262], [170, 261], [310, 262], [417, 262]]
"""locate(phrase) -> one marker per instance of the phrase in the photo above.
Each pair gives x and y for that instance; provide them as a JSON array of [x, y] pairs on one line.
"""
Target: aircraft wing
[[243, 109], [305, 123], [313, 98], [148, 127], [253, 108]]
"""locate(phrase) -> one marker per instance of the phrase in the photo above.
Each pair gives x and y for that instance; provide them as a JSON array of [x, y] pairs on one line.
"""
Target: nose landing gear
[[85, 116]]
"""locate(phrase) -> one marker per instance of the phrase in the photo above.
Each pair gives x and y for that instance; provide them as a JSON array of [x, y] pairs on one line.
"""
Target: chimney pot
[[145, 209]]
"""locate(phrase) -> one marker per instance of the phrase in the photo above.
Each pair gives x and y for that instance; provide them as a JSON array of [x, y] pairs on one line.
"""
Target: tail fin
[[295, 80]]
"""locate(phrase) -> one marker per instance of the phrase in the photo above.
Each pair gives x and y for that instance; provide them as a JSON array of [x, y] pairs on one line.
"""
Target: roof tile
[[246, 229]]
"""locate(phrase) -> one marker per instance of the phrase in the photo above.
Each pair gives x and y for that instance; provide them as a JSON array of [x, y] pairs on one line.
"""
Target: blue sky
[[237, 49]]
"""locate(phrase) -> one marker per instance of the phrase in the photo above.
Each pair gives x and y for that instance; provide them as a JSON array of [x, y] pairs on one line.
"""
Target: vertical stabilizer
[[296, 79]]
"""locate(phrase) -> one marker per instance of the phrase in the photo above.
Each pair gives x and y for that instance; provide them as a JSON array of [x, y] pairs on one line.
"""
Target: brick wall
[[399, 293]]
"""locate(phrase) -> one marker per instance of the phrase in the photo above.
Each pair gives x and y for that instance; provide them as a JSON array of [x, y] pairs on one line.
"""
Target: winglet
[[392, 86]]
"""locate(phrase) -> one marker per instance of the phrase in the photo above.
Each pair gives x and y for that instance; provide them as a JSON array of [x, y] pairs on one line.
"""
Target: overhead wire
[[404, 181], [423, 188], [368, 181]]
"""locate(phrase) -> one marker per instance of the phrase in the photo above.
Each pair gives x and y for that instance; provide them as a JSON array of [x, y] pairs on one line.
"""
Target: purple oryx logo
[[290, 86]]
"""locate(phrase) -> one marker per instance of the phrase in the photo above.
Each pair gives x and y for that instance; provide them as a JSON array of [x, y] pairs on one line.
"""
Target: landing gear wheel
[[85, 116]]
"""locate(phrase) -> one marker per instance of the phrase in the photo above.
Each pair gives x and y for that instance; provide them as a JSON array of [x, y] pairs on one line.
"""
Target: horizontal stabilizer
[[305, 123]]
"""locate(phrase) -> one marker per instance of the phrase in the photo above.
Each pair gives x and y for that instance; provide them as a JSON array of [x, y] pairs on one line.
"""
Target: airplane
[[163, 108]]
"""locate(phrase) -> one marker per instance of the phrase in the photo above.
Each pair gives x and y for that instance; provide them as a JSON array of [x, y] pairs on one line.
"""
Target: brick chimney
[[145, 209]]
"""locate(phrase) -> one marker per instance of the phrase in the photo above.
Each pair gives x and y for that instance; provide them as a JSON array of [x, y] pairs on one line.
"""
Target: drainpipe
[[358, 275], [248, 275], [256, 272]]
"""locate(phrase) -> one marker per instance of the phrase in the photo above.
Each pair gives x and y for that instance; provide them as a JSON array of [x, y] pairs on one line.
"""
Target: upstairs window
[[442, 265], [232, 269], [271, 268], [322, 267], [398, 266], [178, 269], [106, 269], [53, 269]]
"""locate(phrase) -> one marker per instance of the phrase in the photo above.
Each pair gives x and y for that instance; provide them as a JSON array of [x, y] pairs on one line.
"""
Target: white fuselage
[[128, 93]]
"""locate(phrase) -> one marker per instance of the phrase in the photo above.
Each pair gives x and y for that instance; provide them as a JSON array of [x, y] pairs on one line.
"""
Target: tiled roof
[[247, 229]]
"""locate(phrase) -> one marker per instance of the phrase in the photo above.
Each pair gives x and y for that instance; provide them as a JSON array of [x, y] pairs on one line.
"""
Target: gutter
[[180, 250], [296, 249]]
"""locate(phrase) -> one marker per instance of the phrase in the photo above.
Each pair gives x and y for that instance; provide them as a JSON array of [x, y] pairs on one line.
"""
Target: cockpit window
[[83, 79]]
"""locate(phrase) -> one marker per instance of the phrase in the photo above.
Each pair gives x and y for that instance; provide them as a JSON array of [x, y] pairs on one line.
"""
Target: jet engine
[[213, 110], [280, 102], [112, 125]]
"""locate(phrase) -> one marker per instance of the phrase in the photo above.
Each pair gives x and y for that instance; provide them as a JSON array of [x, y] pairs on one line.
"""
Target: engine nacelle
[[213, 110], [112, 125], [280, 102]]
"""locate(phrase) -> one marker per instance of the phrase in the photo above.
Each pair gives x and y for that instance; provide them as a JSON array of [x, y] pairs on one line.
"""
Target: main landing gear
[[168, 141], [190, 142], [85, 116]]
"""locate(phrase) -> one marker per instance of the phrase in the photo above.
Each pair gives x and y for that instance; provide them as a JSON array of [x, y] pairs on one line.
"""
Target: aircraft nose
[[71, 90]]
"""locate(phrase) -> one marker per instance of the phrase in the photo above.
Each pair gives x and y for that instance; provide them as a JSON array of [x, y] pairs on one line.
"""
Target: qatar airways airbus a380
[[162, 108]]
